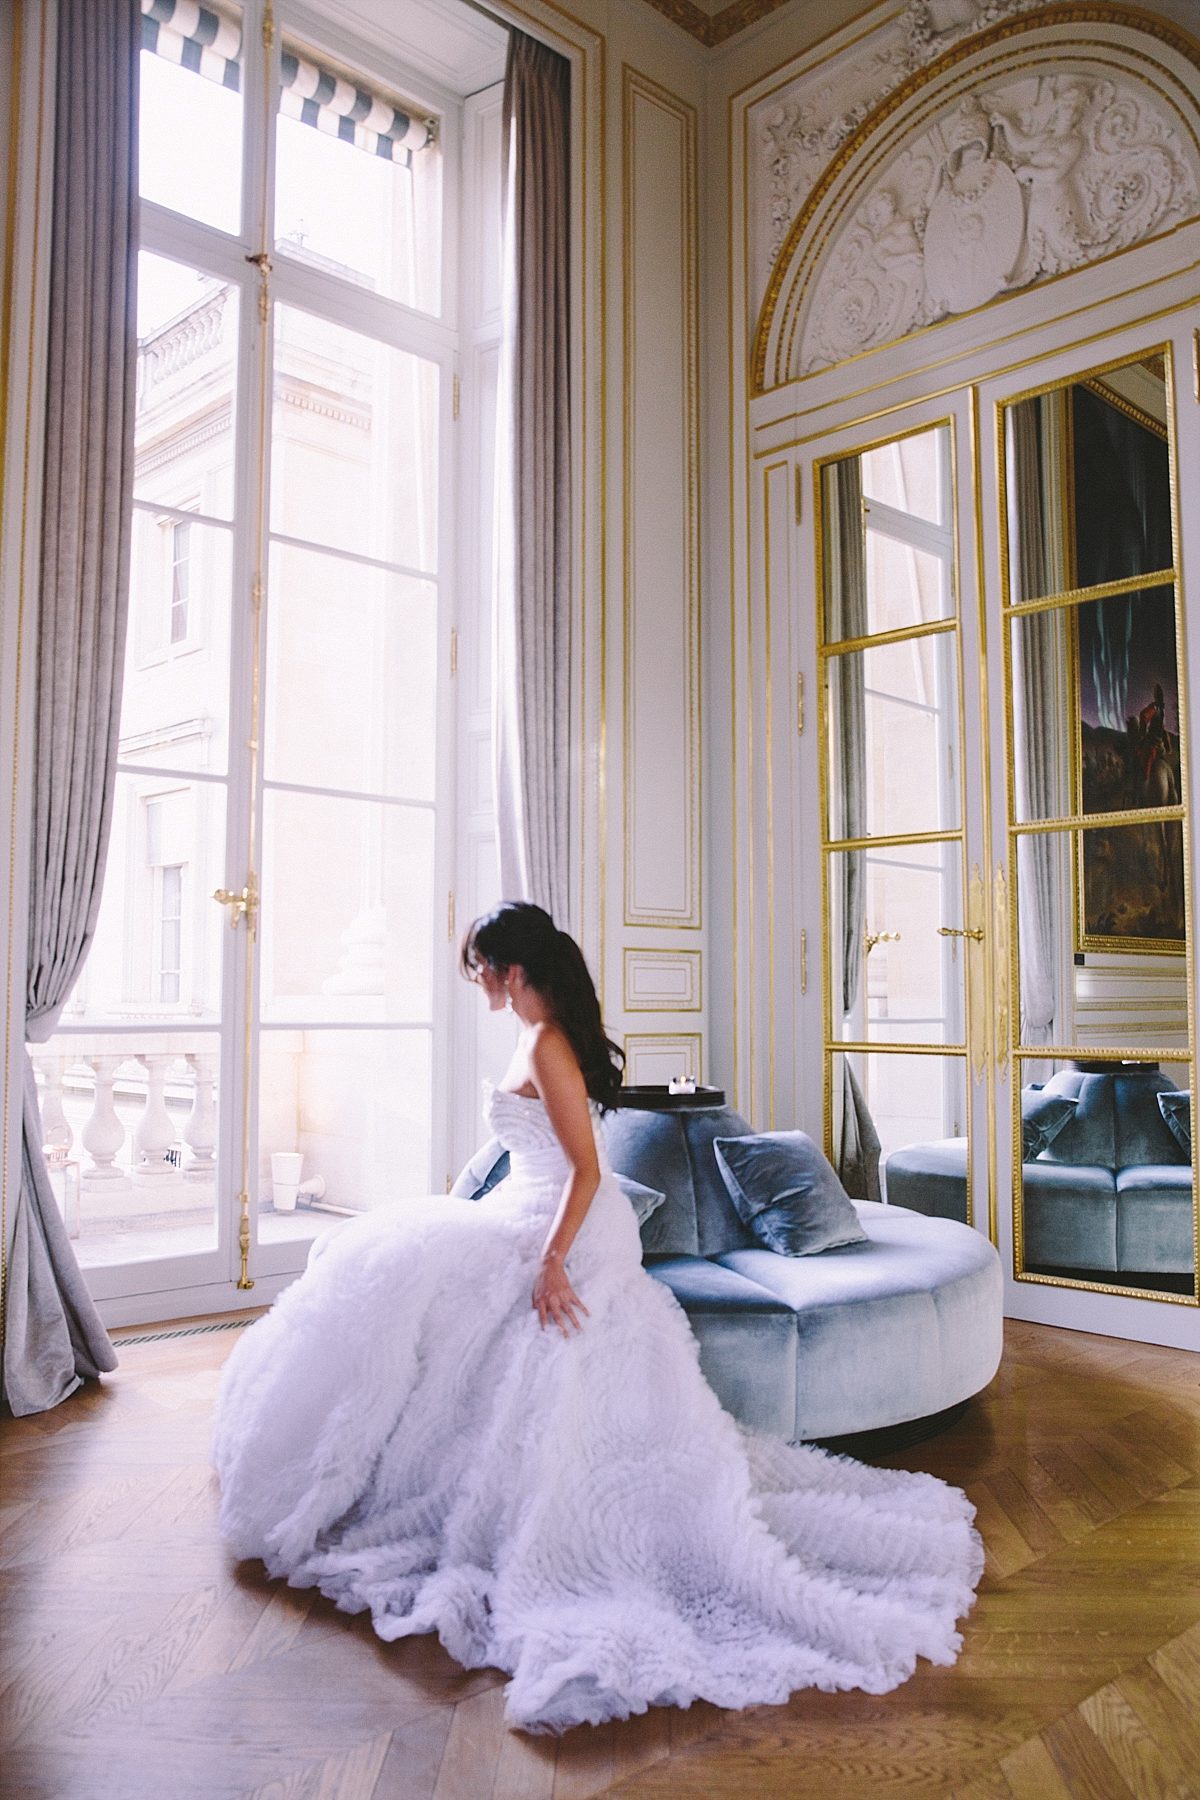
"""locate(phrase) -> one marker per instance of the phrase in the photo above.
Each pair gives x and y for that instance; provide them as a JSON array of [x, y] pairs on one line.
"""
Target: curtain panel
[[532, 585], [53, 1334]]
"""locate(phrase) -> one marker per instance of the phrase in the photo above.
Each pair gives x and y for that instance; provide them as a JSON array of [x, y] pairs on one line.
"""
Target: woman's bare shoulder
[[551, 1052]]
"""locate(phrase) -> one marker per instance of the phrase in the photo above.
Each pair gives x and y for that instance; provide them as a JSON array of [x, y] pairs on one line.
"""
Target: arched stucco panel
[[1049, 143]]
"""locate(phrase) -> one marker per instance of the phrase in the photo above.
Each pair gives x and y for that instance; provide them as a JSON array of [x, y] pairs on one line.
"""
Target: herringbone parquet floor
[[139, 1664]]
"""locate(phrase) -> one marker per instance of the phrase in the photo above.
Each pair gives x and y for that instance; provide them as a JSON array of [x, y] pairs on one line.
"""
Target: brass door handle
[[975, 932], [243, 905]]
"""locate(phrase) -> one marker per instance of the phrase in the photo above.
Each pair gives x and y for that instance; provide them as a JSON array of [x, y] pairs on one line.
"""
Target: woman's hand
[[554, 1297]]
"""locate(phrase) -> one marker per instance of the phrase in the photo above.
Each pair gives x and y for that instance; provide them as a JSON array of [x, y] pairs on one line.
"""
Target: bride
[[485, 1419]]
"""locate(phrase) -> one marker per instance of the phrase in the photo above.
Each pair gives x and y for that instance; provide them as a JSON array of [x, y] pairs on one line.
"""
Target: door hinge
[[454, 649], [800, 703], [456, 396], [798, 485], [450, 917]]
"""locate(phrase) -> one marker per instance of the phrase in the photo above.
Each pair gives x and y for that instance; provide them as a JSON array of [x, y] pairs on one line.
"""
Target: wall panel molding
[[662, 981], [661, 470], [655, 1058]]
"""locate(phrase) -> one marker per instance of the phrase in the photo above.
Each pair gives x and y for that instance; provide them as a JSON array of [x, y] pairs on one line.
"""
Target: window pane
[[347, 910], [1123, 1223], [355, 449], [911, 474], [905, 585], [1101, 922], [1089, 482], [145, 1183], [187, 370], [357, 1108], [190, 118], [1095, 706], [361, 203], [907, 981], [914, 1099], [893, 725], [355, 648], [175, 701], [158, 823]]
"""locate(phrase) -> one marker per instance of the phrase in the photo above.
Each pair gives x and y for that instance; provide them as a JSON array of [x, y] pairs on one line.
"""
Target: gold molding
[[690, 960], [713, 29], [1176, 40], [638, 87], [1120, 404], [691, 1043], [1050, 60], [971, 355]]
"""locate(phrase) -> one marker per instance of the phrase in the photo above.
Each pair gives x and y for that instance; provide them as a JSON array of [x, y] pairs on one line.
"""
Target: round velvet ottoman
[[902, 1328]]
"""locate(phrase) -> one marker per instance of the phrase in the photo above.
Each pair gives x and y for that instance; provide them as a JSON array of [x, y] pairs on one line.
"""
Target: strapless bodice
[[523, 1126]]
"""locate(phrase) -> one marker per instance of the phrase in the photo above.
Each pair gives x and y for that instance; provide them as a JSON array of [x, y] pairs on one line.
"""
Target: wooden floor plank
[[141, 1663]]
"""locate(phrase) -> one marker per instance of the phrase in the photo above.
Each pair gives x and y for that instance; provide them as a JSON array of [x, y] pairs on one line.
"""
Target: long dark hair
[[518, 932]]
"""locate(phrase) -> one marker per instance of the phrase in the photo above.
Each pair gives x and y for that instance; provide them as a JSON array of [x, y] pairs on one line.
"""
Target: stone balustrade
[[165, 1087]]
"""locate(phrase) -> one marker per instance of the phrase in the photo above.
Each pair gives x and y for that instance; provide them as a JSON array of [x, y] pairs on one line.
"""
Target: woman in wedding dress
[[485, 1419]]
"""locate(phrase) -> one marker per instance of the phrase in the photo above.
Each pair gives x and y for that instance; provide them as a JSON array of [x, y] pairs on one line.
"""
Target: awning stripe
[[209, 42]]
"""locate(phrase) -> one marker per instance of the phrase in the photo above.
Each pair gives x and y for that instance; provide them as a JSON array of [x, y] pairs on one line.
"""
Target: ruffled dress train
[[580, 1512]]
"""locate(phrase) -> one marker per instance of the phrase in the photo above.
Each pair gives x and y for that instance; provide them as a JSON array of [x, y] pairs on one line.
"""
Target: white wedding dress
[[580, 1512]]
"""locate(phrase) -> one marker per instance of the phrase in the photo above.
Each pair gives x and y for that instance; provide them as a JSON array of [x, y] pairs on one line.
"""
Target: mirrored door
[[901, 895], [1094, 786]]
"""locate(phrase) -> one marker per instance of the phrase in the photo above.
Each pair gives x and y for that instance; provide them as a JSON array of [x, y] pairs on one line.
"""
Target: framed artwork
[[1124, 678]]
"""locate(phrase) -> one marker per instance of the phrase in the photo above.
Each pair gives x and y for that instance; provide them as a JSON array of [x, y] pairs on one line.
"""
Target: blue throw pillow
[[644, 1200], [486, 1169], [1176, 1108], [785, 1191], [1043, 1116]]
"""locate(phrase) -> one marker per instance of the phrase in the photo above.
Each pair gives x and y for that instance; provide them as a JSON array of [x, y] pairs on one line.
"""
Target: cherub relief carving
[[1046, 143], [974, 224], [1015, 183]]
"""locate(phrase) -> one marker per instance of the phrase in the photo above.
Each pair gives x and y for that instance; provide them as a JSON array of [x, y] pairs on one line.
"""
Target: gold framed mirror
[[1096, 735]]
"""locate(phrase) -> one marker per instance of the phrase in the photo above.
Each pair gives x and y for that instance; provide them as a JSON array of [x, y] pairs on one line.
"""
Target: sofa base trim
[[865, 1445]]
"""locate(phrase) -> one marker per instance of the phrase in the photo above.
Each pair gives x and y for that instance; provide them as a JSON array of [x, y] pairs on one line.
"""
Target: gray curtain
[[53, 1335], [1037, 708], [846, 617], [532, 594]]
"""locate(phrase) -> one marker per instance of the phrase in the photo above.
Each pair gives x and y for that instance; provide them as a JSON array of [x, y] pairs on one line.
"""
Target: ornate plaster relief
[[1056, 143], [1031, 178]]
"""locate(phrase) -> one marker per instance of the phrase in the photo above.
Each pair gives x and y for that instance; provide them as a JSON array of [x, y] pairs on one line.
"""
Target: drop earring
[[508, 1005]]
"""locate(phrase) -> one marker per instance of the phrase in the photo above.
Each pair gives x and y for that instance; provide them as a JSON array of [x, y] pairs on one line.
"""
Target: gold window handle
[[242, 905], [975, 932]]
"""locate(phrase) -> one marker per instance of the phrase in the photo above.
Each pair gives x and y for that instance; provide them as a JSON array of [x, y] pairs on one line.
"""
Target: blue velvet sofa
[[902, 1327], [1111, 1193]]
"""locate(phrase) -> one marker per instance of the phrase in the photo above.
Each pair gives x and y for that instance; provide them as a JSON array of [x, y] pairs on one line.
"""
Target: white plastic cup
[[285, 1178]]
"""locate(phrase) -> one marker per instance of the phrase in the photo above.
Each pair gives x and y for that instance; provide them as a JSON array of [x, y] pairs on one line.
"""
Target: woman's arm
[[557, 1077]]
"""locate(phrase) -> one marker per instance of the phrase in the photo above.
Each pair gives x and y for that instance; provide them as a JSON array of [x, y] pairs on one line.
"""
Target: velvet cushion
[[718, 1226], [785, 1191], [929, 1178], [645, 1201], [1176, 1108], [898, 1327], [649, 1147], [747, 1339], [1043, 1116], [488, 1166]]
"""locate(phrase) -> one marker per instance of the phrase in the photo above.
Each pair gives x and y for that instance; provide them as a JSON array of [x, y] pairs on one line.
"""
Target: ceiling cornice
[[712, 29]]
